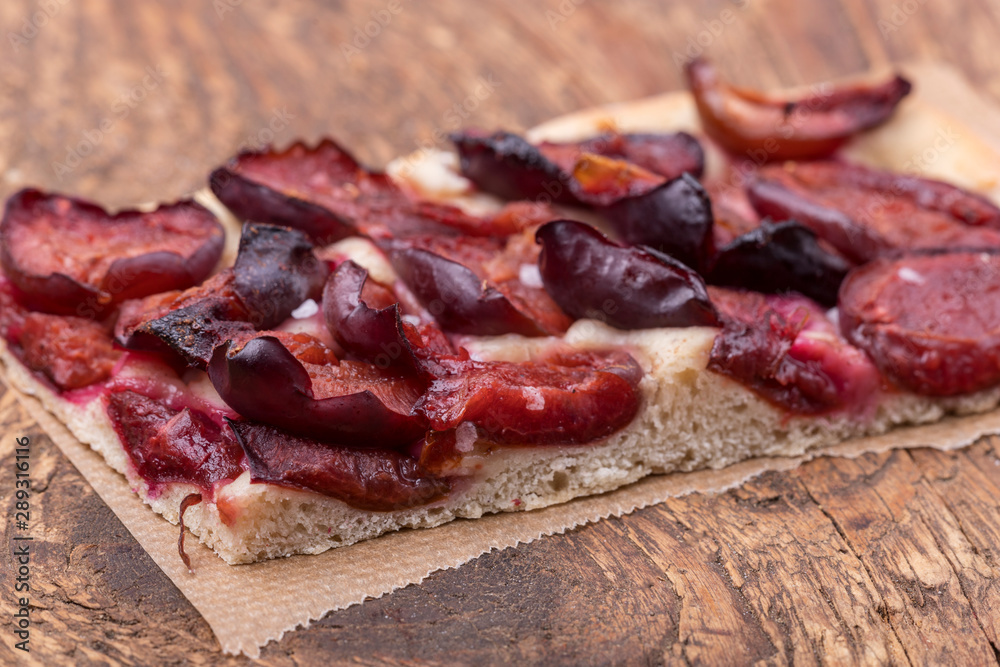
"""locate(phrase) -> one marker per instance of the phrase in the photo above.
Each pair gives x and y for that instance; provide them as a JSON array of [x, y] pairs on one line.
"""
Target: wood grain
[[889, 559]]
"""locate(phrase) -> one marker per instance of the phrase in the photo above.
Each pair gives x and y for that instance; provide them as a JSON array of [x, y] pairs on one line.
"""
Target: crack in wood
[[883, 608], [931, 487]]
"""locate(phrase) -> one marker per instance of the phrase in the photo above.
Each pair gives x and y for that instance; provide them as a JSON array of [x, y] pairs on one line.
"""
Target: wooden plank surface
[[889, 559]]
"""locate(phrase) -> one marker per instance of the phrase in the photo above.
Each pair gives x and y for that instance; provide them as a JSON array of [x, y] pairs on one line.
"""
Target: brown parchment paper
[[250, 605]]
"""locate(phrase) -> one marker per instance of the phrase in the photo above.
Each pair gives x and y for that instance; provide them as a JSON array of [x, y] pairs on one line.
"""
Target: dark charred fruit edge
[[506, 165], [781, 257], [275, 271]]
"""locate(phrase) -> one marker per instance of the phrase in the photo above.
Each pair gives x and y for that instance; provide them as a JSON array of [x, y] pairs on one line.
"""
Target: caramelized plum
[[350, 403], [930, 321], [375, 480], [69, 256], [601, 181], [72, 352], [458, 299], [187, 324], [666, 154], [514, 271], [674, 218], [589, 275], [647, 202], [275, 272], [787, 351], [559, 399], [299, 187], [168, 442], [781, 257], [479, 286], [506, 165], [327, 194], [865, 213], [766, 128], [375, 334]]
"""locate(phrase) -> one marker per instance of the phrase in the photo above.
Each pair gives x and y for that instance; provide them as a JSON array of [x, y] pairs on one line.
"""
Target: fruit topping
[[785, 349], [930, 321], [866, 213], [768, 128], [628, 287], [71, 257], [376, 480]]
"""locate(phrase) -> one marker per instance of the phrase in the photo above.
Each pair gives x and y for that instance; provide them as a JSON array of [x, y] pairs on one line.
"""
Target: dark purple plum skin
[[867, 213], [781, 257], [275, 272], [855, 241], [627, 287], [126, 277], [674, 218], [258, 202], [457, 298], [265, 382], [508, 166], [373, 334], [368, 479]]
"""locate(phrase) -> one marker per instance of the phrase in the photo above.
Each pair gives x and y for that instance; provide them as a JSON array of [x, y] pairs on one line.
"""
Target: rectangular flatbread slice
[[689, 417]]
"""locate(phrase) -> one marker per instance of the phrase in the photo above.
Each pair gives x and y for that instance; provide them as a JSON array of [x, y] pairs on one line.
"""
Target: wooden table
[[890, 558]]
